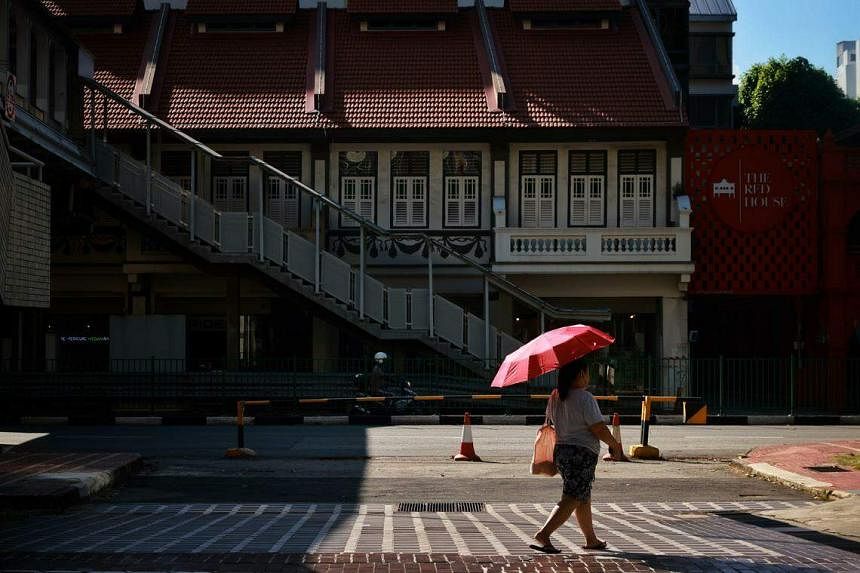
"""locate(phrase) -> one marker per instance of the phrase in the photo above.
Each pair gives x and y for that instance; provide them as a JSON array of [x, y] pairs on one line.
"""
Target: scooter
[[398, 393]]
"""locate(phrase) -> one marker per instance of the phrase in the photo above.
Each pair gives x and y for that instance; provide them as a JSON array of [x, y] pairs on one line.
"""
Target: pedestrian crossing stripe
[[672, 528]]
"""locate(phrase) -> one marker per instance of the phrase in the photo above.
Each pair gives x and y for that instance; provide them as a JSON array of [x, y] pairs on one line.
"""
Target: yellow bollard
[[643, 451]]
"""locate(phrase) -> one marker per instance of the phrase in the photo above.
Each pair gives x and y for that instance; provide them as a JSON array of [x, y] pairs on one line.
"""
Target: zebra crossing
[[701, 529]]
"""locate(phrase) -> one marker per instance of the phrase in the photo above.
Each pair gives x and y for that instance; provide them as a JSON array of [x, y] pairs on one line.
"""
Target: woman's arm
[[602, 433]]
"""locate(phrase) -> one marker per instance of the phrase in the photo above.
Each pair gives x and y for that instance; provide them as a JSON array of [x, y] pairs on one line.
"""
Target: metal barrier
[[730, 386]]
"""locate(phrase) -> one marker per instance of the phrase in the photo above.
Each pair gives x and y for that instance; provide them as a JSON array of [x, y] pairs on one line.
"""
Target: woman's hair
[[568, 374]]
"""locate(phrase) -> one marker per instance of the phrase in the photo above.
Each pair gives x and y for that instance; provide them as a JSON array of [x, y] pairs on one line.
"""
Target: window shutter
[[628, 200], [530, 202], [220, 192], [418, 202], [349, 200], [547, 202], [291, 205], [597, 162], [470, 201], [578, 203], [366, 198], [238, 186], [595, 200], [452, 203], [627, 162], [401, 202], [645, 200], [275, 205]]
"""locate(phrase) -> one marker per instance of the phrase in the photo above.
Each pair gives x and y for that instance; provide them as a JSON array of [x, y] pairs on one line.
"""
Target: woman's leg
[[583, 517], [559, 514]]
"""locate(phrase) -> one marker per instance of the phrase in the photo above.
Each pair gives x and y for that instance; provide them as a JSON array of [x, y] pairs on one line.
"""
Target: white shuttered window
[[537, 188], [283, 202], [410, 171], [587, 188], [586, 200], [636, 188], [359, 196], [357, 185], [462, 175], [461, 202], [230, 193], [410, 201]]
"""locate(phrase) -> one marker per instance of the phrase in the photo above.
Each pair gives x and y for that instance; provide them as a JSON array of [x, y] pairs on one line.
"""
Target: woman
[[579, 428]]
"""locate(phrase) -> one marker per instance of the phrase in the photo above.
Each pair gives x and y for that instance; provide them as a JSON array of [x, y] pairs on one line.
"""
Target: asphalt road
[[353, 464], [403, 441]]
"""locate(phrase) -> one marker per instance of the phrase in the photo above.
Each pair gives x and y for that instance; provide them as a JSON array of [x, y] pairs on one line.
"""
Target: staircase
[[301, 265]]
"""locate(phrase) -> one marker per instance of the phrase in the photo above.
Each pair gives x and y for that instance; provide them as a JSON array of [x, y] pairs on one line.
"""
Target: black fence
[[730, 386]]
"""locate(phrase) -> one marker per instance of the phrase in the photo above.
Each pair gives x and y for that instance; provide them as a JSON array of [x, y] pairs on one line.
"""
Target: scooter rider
[[377, 377]]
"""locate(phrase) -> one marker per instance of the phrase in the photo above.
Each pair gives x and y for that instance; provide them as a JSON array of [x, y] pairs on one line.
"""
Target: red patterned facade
[[781, 259]]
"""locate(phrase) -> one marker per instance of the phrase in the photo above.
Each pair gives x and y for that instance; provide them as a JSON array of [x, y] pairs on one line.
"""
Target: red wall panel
[[754, 196]]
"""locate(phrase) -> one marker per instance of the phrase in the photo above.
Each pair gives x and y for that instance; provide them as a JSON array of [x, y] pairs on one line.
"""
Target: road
[[330, 490], [405, 441]]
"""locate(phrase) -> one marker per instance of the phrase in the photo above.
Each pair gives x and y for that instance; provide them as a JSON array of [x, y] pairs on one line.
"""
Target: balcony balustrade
[[593, 245]]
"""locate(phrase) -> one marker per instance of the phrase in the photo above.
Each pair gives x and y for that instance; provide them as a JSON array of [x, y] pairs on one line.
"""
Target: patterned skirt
[[576, 464]]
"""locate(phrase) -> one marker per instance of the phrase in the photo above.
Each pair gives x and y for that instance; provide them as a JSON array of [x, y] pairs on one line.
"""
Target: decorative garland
[[475, 245]]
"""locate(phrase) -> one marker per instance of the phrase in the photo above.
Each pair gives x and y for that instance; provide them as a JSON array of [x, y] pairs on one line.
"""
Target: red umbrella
[[549, 351]]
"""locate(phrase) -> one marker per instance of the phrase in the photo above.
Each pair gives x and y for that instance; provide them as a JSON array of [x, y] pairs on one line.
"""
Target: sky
[[808, 28]]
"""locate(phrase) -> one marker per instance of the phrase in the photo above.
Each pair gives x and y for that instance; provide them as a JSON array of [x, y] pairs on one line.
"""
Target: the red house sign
[[751, 190]]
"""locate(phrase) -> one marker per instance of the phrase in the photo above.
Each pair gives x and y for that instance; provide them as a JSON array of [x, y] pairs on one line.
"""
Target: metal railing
[[269, 241], [729, 386]]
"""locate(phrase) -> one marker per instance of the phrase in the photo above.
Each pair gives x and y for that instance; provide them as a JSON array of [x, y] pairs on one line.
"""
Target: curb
[[417, 420], [790, 479], [81, 486]]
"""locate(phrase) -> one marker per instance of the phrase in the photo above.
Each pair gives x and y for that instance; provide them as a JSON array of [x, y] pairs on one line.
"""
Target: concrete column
[[231, 307], [674, 346], [674, 320], [326, 344]]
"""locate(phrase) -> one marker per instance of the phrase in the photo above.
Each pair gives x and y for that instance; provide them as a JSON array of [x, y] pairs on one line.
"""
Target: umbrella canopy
[[549, 351]]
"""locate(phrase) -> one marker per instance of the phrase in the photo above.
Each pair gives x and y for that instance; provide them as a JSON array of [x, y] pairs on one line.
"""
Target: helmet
[[380, 357]]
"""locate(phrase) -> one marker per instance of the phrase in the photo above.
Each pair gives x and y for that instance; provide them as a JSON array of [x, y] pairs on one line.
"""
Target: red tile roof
[[215, 7], [564, 5], [562, 78], [408, 79], [577, 78], [90, 7], [237, 80], [402, 6], [117, 62]]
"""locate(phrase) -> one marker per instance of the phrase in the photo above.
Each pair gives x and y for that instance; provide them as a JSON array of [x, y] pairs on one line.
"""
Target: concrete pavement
[[56, 480]]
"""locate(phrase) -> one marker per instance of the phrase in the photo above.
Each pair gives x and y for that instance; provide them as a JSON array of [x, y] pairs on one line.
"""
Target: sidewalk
[[790, 465], [29, 480]]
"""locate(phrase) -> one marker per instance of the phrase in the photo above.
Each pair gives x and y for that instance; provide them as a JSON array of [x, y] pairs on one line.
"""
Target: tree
[[793, 94]]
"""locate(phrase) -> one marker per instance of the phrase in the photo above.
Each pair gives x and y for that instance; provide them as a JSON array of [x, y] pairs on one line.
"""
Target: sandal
[[550, 549], [599, 547]]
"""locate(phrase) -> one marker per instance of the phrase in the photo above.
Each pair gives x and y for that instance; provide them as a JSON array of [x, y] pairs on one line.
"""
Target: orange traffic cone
[[616, 433], [467, 449]]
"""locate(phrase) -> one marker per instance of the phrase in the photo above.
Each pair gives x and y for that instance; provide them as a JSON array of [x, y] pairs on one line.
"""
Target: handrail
[[546, 308]]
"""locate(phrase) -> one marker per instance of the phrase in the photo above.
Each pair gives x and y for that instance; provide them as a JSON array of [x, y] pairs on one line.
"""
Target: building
[[298, 181], [711, 77], [846, 68]]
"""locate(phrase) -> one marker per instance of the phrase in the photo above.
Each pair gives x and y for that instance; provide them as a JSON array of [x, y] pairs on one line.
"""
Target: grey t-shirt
[[572, 418]]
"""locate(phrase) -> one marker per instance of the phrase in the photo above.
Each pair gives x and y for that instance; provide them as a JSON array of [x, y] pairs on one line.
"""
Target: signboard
[[751, 190], [9, 100], [754, 198]]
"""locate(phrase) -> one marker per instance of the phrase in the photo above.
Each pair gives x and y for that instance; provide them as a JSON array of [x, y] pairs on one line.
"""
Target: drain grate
[[433, 506], [827, 469]]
